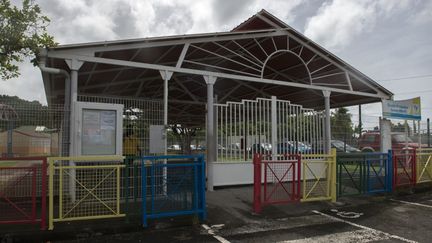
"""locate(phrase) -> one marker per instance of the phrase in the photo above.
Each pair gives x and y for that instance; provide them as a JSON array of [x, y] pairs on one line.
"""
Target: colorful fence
[[23, 190], [281, 180], [424, 165], [82, 188], [404, 168], [319, 177], [131, 187], [360, 173], [310, 177], [173, 186]]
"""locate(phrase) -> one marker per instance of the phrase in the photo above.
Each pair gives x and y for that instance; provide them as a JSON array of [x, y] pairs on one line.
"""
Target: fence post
[[202, 189], [389, 171], [298, 177], [428, 133], [144, 192], [44, 193], [414, 168], [395, 168], [339, 177], [257, 184], [363, 177], [51, 194], [126, 186], [333, 174]]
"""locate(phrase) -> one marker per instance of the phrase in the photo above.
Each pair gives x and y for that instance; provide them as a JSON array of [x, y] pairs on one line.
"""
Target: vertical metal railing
[[179, 191], [424, 165], [96, 194], [319, 176], [364, 173], [23, 190], [266, 126], [404, 168]]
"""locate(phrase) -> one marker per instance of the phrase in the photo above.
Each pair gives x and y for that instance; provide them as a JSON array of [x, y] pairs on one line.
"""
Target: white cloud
[[28, 86], [384, 38], [338, 22]]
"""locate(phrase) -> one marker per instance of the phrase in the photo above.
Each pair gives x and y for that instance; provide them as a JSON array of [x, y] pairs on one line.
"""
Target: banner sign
[[402, 109]]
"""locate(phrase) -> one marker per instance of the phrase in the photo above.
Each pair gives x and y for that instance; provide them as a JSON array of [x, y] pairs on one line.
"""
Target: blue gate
[[361, 173], [173, 185], [379, 172]]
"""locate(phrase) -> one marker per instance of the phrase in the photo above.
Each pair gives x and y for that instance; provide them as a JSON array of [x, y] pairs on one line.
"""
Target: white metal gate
[[269, 126]]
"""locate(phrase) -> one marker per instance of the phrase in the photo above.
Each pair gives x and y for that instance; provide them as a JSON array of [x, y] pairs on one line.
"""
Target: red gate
[[281, 180], [23, 187], [404, 166]]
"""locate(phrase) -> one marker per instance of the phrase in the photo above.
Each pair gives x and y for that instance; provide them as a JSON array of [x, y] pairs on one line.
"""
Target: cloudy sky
[[389, 40]]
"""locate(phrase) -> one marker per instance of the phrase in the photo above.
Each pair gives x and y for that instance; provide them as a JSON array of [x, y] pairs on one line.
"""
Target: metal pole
[[327, 136], [10, 127], [210, 80], [428, 133], [360, 125], [274, 126], [215, 128], [165, 121], [74, 66], [73, 98], [419, 134], [166, 76], [406, 133]]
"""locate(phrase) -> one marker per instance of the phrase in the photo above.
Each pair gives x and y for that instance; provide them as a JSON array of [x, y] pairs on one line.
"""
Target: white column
[[74, 66], [166, 76], [274, 127], [385, 134], [327, 136], [211, 145]]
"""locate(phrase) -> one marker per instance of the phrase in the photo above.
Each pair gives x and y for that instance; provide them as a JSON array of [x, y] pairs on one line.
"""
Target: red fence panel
[[23, 190], [404, 166], [281, 180]]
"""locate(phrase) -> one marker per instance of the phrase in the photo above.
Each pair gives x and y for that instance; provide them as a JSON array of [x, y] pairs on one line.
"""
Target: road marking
[[364, 227], [265, 225], [348, 215], [412, 203], [361, 235], [211, 232]]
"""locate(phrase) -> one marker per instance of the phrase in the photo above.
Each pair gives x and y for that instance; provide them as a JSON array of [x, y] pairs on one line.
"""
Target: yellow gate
[[424, 165], [84, 187], [318, 177]]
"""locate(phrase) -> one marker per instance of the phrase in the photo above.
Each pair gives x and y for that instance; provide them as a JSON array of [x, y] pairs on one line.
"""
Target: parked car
[[290, 147], [371, 141], [343, 147], [262, 148], [174, 147], [204, 147], [234, 147]]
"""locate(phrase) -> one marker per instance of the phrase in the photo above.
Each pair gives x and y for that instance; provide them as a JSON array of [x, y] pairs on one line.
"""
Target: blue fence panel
[[378, 172], [173, 185], [360, 173]]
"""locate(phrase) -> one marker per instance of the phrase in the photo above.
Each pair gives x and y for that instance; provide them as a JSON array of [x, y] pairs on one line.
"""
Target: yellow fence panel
[[84, 187], [424, 165], [319, 177]]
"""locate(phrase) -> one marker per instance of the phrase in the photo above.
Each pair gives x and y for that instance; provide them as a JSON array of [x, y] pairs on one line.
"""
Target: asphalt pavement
[[378, 218]]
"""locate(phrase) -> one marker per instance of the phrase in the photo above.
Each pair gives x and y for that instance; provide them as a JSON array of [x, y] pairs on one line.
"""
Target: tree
[[22, 33], [341, 124], [184, 136]]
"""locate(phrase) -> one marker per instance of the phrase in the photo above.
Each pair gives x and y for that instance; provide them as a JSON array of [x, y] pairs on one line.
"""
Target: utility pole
[[360, 128], [428, 133]]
